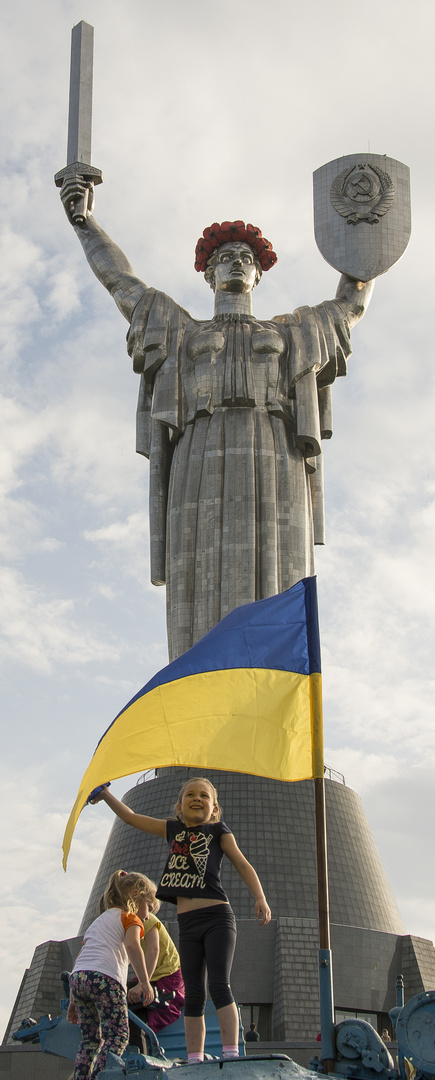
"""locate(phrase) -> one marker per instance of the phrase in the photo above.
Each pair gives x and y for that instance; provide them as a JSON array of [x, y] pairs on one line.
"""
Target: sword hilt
[[90, 175]]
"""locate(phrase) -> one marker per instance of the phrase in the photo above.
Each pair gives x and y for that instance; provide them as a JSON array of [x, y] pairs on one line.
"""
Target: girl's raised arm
[[248, 875], [156, 826]]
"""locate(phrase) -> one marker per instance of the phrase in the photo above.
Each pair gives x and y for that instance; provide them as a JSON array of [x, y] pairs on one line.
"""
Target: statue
[[231, 414]]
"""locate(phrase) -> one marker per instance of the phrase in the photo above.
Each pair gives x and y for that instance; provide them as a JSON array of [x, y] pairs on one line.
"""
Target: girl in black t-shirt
[[198, 839]]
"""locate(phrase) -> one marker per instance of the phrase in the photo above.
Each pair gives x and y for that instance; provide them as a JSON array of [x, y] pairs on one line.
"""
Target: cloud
[[49, 543], [40, 633], [124, 544], [22, 432], [21, 268], [63, 293], [20, 259], [361, 770]]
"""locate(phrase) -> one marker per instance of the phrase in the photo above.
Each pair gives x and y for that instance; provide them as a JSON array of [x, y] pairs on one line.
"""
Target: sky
[[203, 112]]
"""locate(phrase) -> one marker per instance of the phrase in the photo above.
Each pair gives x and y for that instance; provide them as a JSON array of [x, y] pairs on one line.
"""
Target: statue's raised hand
[[77, 196]]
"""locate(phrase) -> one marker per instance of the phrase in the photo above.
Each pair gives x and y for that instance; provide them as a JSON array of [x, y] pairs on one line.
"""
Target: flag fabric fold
[[246, 698]]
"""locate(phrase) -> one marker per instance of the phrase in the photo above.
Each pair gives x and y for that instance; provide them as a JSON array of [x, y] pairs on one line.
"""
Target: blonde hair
[[127, 890], [217, 810]]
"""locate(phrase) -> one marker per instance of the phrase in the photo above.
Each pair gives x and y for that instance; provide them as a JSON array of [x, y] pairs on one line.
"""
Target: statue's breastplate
[[233, 363]]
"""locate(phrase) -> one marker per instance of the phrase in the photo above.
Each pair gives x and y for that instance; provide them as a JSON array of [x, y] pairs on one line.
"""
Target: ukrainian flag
[[246, 698]]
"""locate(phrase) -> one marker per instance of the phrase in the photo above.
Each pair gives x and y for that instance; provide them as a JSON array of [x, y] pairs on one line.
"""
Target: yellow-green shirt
[[169, 960]]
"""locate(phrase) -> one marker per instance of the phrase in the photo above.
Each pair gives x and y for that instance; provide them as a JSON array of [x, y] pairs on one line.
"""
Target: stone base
[[30, 1063]]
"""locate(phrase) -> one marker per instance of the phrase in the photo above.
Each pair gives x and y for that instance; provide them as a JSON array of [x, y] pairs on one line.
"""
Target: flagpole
[[325, 955]]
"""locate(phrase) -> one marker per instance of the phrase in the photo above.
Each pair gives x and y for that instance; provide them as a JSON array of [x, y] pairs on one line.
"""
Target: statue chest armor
[[232, 363]]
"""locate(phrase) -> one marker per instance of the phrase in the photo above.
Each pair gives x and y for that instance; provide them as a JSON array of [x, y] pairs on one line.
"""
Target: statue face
[[235, 269]]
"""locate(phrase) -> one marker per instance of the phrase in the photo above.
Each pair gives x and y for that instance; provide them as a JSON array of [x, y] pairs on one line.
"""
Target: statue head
[[233, 256], [233, 268]]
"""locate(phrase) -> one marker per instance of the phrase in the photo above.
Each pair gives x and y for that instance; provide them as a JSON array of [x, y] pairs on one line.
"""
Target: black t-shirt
[[193, 866]]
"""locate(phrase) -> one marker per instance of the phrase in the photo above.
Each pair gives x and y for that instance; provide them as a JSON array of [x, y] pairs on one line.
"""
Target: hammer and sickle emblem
[[362, 193], [362, 185]]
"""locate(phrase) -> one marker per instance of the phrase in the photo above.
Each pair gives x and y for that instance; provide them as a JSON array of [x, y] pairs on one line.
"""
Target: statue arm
[[107, 261], [354, 296]]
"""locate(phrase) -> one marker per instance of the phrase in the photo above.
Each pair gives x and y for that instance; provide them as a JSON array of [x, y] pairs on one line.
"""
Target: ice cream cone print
[[200, 863], [199, 850]]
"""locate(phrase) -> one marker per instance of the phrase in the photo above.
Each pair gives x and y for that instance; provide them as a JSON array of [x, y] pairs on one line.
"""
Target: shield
[[362, 213]]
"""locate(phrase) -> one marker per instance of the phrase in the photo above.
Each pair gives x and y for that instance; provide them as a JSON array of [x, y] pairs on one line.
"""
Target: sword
[[80, 118]]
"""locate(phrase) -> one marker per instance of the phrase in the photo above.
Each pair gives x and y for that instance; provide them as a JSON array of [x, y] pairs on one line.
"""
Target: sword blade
[[80, 117], [80, 94]]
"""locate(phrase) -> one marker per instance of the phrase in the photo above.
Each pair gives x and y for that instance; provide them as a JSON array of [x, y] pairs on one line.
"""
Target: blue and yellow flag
[[246, 698]]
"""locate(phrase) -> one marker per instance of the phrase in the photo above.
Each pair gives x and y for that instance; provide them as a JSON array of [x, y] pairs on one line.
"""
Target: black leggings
[[206, 946]]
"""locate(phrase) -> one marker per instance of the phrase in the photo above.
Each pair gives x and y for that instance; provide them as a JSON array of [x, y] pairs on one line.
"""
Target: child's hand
[[263, 913], [147, 993], [134, 995], [72, 1014], [97, 794]]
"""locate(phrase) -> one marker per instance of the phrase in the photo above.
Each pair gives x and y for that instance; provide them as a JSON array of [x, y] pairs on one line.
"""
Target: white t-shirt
[[103, 946]]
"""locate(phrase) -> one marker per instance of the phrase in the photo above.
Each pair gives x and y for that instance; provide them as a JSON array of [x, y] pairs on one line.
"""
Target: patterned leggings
[[102, 1014]]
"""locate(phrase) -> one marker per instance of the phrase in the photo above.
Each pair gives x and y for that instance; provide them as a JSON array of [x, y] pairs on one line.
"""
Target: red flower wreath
[[231, 232]]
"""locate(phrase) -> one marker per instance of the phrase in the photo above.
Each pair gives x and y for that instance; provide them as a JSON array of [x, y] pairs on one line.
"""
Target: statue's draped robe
[[231, 413]]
